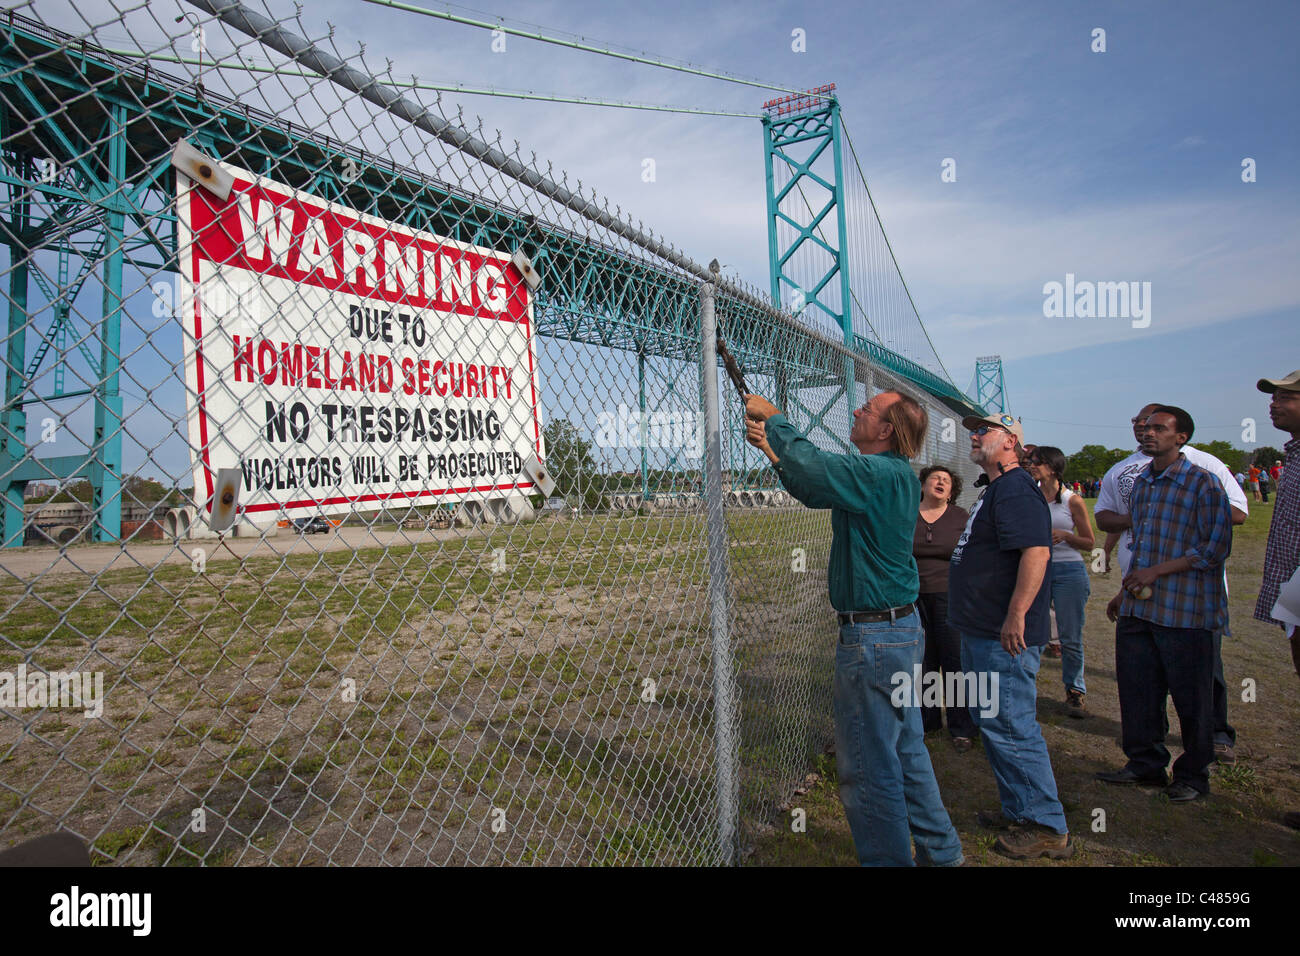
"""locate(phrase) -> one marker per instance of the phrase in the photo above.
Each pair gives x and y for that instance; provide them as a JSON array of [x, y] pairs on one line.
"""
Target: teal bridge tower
[[813, 271], [989, 384]]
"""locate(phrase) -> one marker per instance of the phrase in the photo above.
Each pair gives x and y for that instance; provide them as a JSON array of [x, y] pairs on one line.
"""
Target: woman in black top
[[938, 527]]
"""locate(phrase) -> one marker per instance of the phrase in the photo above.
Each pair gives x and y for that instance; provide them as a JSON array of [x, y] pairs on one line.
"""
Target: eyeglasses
[[985, 429]]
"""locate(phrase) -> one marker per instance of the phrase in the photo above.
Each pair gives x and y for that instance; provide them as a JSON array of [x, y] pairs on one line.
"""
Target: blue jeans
[[1070, 590], [1012, 738], [887, 784]]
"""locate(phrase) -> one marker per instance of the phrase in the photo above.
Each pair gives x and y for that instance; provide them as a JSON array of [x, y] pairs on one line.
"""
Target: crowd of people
[[1259, 479], [919, 584], [1088, 488]]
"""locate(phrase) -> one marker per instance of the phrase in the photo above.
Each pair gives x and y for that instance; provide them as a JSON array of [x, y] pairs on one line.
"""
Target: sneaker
[[1031, 841], [1224, 754], [1292, 820], [1179, 792], [1074, 704], [962, 744]]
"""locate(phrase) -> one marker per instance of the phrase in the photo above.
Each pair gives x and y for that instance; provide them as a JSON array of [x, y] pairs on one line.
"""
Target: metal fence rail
[[445, 675]]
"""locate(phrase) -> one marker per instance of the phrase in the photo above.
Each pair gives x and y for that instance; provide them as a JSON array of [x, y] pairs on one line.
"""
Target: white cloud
[[1207, 260]]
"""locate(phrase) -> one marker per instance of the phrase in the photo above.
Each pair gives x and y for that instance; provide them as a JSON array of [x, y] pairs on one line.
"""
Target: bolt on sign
[[342, 362]]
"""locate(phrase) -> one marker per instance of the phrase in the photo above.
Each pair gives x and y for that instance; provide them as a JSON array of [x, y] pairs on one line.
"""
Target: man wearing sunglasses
[[998, 602], [887, 783]]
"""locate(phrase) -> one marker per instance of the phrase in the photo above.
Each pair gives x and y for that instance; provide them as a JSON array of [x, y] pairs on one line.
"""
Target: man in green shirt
[[887, 784]]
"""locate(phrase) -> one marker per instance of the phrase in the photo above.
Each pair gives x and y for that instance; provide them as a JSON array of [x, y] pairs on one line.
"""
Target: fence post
[[13, 416], [724, 683], [106, 454]]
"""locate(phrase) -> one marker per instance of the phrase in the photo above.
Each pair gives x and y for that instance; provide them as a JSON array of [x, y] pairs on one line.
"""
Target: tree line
[[1093, 461]]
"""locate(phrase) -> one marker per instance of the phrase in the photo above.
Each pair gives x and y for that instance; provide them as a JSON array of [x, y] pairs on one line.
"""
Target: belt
[[890, 614]]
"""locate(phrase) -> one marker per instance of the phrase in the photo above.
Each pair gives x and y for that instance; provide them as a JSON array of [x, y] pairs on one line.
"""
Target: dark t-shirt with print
[[982, 576]]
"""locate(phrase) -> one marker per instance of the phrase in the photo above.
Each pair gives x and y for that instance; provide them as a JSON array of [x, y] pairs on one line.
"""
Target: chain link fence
[[406, 647]]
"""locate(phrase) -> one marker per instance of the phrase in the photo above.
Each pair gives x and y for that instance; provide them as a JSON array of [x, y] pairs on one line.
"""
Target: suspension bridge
[[406, 691], [87, 136]]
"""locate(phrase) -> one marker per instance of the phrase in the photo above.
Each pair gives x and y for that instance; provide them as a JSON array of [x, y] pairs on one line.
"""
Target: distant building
[[64, 522], [39, 489]]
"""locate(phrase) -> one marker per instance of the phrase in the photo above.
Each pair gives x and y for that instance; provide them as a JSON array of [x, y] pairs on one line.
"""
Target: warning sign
[[341, 361]]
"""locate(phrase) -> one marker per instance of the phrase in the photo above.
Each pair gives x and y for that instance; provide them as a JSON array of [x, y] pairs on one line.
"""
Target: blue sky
[[1115, 166]]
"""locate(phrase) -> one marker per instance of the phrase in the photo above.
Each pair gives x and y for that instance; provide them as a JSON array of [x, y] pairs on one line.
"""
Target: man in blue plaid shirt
[[1173, 600]]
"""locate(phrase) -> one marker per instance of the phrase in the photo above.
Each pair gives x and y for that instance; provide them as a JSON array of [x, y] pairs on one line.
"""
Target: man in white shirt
[[1112, 514]]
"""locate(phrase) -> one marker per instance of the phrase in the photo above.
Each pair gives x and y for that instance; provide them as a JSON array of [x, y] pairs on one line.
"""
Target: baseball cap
[[1291, 383], [1001, 420]]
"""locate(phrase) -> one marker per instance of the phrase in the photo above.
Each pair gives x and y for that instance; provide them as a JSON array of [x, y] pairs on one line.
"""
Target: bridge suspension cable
[[880, 304], [894, 259], [415, 84], [580, 44]]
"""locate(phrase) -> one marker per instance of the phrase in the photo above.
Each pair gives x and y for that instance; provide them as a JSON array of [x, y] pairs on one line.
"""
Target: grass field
[[500, 708], [1238, 825]]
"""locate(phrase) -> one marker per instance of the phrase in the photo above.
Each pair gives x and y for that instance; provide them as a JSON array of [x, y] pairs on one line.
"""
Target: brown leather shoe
[[1030, 841], [1292, 820]]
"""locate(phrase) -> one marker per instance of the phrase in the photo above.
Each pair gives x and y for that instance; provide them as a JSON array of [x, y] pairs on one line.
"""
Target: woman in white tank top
[[1071, 531]]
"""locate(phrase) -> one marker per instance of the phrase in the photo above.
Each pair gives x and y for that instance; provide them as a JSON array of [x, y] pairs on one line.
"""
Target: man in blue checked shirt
[[1173, 600]]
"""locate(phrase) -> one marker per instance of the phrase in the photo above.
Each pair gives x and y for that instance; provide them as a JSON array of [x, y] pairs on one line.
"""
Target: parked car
[[311, 525]]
